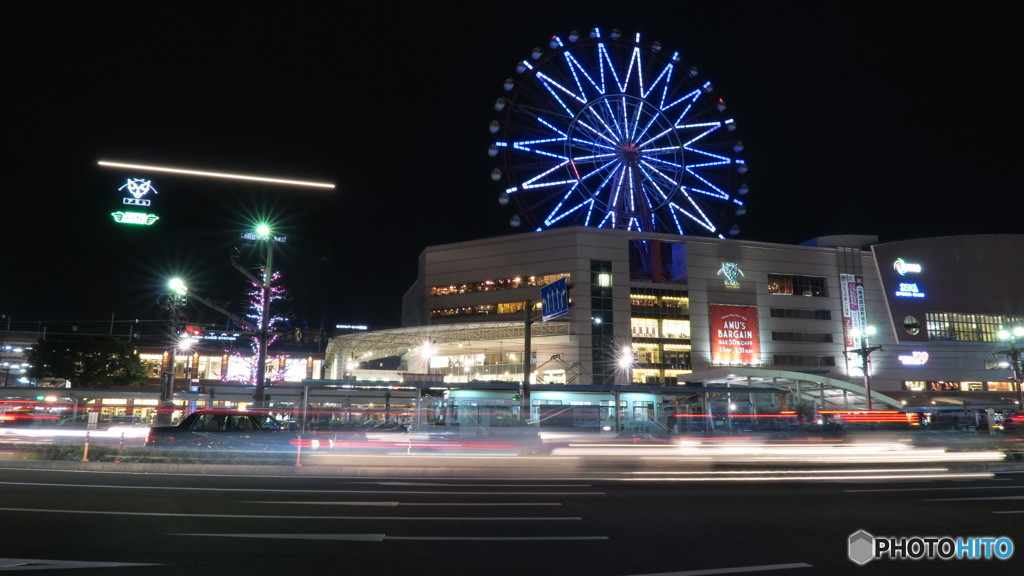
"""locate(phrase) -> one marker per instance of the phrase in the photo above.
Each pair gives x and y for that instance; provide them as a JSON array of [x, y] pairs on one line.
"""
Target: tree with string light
[[276, 323]]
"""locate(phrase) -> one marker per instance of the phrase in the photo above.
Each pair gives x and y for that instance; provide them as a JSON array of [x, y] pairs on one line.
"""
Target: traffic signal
[[194, 331]]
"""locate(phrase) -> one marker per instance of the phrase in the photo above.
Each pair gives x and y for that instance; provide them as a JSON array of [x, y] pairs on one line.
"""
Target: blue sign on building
[[554, 300]]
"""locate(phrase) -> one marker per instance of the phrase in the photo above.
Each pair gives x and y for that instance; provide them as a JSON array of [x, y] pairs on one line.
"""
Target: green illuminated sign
[[137, 218]]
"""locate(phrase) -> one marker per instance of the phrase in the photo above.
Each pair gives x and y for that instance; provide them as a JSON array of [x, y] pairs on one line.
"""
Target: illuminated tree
[[275, 327]]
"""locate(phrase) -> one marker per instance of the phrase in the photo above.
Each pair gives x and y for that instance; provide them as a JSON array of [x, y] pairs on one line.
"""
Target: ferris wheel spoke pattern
[[622, 152]]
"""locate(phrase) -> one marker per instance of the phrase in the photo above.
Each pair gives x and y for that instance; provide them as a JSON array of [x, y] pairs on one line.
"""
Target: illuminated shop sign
[[902, 267], [141, 218], [136, 189], [218, 337], [732, 272], [909, 290], [255, 236], [734, 335], [915, 358]]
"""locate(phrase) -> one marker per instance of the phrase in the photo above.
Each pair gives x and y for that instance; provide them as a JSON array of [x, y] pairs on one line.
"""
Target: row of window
[[661, 353], [965, 327], [648, 300], [482, 310], [199, 367], [651, 328], [794, 285], [801, 313], [500, 284], [942, 386]]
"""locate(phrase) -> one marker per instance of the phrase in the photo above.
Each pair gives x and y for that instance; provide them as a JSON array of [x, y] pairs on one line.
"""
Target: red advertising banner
[[734, 335]]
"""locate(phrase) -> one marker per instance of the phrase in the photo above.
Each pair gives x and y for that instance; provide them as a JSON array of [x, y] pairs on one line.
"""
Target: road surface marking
[[22, 564], [738, 570], [290, 517]]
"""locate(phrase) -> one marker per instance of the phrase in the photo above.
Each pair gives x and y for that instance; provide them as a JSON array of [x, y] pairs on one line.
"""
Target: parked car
[[227, 430]]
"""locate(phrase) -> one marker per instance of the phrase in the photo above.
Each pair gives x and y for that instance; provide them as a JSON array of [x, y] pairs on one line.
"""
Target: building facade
[[687, 313]]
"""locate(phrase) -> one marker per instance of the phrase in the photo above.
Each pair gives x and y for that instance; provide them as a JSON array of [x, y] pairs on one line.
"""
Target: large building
[[771, 324]]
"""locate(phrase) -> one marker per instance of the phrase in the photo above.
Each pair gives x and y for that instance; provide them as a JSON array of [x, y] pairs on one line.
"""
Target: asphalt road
[[486, 515]]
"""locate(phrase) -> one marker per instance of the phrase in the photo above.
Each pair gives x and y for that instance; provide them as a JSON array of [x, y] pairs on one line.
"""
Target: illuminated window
[[967, 327], [644, 327], [645, 375], [676, 355], [793, 285], [646, 353], [679, 329], [680, 302], [643, 300], [499, 284]]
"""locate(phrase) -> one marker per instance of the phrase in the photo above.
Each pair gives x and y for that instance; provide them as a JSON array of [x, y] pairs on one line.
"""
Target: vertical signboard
[[851, 289], [734, 335]]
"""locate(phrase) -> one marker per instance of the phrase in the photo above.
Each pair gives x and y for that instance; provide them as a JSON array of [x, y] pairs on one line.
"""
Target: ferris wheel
[[605, 131]]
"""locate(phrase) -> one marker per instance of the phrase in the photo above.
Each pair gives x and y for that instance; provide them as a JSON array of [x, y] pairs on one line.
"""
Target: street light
[[626, 360], [263, 231], [176, 301], [865, 351], [1013, 354]]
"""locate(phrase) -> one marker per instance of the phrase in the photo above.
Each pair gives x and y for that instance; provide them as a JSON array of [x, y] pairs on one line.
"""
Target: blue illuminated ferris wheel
[[608, 132]]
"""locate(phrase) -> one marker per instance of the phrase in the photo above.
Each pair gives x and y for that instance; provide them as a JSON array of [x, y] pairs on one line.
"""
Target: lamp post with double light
[[1012, 335], [865, 352]]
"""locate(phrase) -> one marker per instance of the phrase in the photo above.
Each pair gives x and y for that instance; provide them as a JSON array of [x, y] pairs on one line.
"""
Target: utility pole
[[527, 368], [865, 351], [1013, 355], [177, 299]]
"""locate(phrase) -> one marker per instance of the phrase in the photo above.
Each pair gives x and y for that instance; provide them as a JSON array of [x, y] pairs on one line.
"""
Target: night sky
[[857, 117]]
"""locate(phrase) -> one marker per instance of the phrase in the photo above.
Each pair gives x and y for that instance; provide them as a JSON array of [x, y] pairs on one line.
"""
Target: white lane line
[[978, 498], [279, 490], [290, 517], [496, 538], [936, 488], [737, 570], [465, 485], [382, 537], [23, 564], [353, 537], [391, 504]]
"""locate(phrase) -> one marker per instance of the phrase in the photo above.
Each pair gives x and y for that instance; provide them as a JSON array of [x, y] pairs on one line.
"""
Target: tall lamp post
[[177, 299], [865, 351], [1013, 355], [259, 398]]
